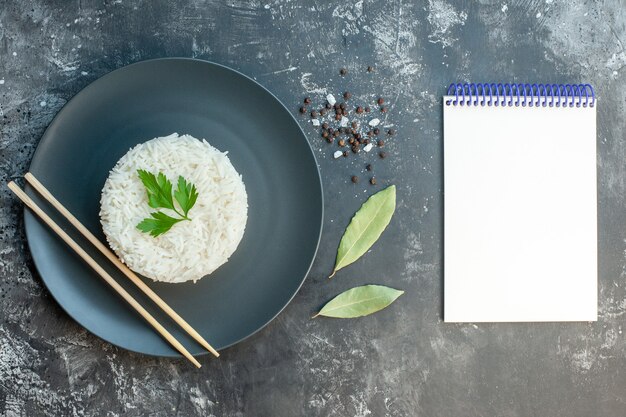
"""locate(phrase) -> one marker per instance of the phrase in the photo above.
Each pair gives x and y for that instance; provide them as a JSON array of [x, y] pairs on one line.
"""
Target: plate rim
[[30, 217]]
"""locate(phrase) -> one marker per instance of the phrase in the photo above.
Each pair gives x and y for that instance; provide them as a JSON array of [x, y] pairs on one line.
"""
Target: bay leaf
[[366, 226], [360, 301]]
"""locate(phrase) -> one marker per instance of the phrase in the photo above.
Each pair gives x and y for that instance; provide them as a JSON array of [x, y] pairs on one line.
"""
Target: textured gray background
[[401, 362]]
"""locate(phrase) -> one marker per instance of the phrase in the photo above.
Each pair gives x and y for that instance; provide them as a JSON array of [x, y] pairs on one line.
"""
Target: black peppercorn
[[370, 69], [338, 116], [345, 154], [368, 167], [370, 133], [325, 134], [330, 139], [380, 143], [355, 148], [307, 100], [302, 110], [366, 141], [347, 95], [376, 131], [383, 155], [380, 101], [323, 112], [355, 179], [325, 125], [342, 106], [343, 71], [336, 133], [367, 110], [336, 106], [354, 125], [359, 109], [383, 109], [342, 142], [373, 180], [351, 141], [391, 132], [314, 114], [328, 106]]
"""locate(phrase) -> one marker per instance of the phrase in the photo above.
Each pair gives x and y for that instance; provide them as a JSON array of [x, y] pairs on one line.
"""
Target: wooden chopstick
[[92, 263], [116, 261]]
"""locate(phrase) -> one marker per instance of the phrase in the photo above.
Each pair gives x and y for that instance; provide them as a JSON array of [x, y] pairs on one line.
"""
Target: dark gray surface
[[402, 361], [155, 98]]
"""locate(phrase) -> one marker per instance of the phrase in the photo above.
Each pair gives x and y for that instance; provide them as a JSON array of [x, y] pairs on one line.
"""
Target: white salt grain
[[337, 154], [374, 122], [331, 99], [315, 122], [368, 147], [344, 121]]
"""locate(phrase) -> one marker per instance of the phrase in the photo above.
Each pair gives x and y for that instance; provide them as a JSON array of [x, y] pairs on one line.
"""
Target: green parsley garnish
[[159, 190]]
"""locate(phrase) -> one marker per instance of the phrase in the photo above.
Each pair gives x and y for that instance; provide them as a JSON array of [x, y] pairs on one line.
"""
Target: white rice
[[190, 249]]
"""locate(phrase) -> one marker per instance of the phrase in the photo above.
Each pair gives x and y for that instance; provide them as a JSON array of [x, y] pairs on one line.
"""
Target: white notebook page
[[520, 214]]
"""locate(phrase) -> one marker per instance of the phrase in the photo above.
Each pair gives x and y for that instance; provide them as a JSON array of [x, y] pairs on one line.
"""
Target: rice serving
[[192, 249]]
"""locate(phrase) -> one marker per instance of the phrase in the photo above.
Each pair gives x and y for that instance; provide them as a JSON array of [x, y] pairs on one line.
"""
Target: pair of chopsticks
[[115, 260]]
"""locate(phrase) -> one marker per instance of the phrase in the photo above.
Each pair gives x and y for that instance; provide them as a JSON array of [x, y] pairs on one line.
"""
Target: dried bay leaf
[[366, 226], [360, 301]]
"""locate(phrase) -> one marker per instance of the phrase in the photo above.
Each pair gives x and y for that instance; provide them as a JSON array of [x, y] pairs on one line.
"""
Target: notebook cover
[[520, 221]]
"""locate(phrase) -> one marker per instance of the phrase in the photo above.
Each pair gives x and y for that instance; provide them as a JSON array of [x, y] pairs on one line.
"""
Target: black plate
[[265, 144]]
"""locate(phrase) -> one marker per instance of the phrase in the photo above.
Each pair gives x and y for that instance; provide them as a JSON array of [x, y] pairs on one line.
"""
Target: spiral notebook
[[520, 204]]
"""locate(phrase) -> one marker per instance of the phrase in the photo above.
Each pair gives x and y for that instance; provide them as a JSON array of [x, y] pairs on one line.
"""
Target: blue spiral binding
[[511, 94]]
